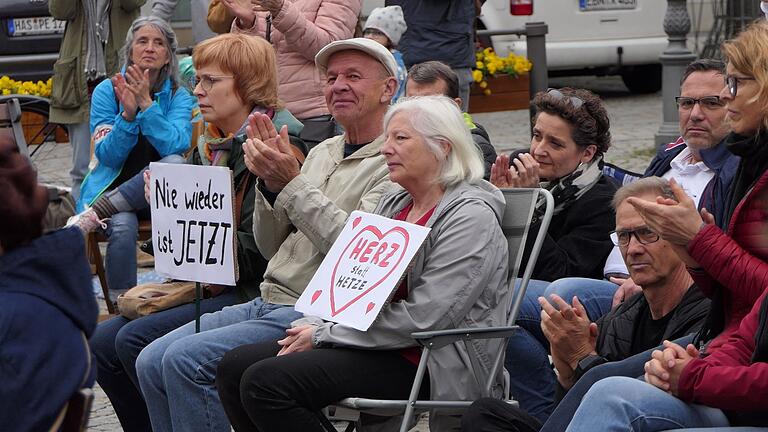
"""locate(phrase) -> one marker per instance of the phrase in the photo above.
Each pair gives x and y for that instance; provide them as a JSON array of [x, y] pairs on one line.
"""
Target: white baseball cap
[[367, 46]]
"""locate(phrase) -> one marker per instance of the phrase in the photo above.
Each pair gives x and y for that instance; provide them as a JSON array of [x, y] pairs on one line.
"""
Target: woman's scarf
[[570, 188], [217, 147], [754, 161], [96, 37]]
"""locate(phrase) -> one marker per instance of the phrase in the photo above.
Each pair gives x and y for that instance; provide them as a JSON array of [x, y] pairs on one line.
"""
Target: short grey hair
[[644, 186], [703, 65], [438, 119], [169, 71], [432, 71]]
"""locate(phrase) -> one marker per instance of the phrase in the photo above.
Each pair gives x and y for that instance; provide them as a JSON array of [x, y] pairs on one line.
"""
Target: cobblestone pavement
[[634, 121]]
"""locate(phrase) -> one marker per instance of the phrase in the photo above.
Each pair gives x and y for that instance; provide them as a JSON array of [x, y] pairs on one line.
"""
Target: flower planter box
[[32, 123], [507, 93]]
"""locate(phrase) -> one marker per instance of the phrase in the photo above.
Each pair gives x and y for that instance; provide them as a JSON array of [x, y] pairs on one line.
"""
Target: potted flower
[[500, 83], [30, 121], [10, 86]]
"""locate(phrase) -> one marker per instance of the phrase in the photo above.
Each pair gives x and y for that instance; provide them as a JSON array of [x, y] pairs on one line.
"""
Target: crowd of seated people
[[227, 95], [685, 308], [714, 378], [700, 162], [721, 379]]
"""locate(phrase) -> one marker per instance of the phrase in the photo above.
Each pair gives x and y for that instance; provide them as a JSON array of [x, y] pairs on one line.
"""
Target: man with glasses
[[669, 307], [698, 160]]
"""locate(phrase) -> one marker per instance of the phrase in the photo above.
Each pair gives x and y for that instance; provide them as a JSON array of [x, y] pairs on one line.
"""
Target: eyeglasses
[[643, 235], [732, 81], [557, 94], [207, 81], [710, 103]]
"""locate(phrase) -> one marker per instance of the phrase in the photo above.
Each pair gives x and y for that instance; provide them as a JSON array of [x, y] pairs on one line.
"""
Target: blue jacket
[[438, 30], [46, 302], [166, 124], [724, 164]]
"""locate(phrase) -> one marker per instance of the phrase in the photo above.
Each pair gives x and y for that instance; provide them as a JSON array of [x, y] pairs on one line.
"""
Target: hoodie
[[46, 307]]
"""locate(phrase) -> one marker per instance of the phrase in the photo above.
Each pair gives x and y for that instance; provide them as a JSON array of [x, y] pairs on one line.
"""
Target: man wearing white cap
[[299, 212]]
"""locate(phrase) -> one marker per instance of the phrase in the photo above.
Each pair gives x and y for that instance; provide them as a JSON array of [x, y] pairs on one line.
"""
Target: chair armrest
[[440, 338]]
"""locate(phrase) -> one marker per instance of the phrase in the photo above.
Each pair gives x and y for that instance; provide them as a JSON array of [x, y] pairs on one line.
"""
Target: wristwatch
[[586, 364]]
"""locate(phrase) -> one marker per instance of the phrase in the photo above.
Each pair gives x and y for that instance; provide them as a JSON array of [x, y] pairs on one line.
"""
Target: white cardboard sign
[[363, 267], [193, 222]]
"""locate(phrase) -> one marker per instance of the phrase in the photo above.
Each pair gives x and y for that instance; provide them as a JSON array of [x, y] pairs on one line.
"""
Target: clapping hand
[[271, 6], [666, 366], [139, 85], [132, 90], [676, 221], [243, 10], [126, 97], [570, 333], [268, 154], [523, 174]]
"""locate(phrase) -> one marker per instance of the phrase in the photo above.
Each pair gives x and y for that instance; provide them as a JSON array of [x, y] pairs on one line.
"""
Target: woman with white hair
[[140, 116], [456, 280]]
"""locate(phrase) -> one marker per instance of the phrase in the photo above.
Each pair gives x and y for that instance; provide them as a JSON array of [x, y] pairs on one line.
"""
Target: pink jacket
[[299, 31]]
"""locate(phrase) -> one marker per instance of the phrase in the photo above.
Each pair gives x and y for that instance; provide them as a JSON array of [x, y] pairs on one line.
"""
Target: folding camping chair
[[10, 117], [518, 215]]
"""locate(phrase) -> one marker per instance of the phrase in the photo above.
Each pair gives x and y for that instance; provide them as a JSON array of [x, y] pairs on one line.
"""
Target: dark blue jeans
[[532, 380], [630, 367], [117, 342]]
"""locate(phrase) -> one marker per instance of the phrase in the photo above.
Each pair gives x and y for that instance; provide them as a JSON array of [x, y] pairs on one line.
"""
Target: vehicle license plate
[[35, 26], [591, 5]]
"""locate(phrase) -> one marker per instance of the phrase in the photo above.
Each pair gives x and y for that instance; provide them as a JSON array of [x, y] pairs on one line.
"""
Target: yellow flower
[[39, 88], [488, 63]]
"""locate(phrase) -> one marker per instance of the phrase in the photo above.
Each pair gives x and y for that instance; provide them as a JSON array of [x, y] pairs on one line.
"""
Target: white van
[[600, 37]]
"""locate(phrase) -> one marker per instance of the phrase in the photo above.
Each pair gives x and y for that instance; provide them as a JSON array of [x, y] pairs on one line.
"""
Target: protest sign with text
[[363, 267], [193, 223]]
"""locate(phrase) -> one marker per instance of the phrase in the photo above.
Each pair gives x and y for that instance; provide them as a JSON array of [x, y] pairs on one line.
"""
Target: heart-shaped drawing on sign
[[367, 261], [356, 221], [315, 296]]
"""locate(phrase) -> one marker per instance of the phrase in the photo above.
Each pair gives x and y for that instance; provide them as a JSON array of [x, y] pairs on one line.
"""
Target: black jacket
[[617, 327], [577, 242], [438, 30], [483, 142]]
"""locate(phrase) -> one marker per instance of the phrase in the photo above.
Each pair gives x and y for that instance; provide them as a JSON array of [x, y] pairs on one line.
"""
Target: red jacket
[[727, 378], [736, 262]]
